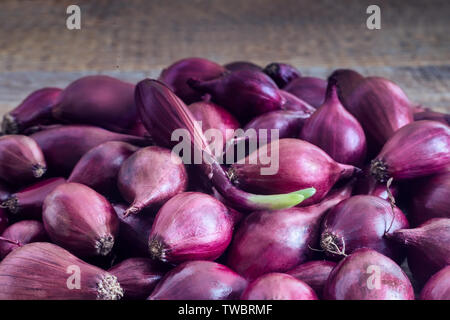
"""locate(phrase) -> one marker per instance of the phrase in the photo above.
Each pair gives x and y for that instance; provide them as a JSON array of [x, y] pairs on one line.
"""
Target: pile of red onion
[[225, 182]]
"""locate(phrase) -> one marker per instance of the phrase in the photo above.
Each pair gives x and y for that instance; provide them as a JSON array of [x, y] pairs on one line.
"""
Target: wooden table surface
[[136, 38]]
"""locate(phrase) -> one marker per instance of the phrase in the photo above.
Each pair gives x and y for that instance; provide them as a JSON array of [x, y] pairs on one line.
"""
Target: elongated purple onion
[[176, 75], [438, 287], [21, 159], [244, 93], [433, 115], [313, 273], [81, 220], [277, 241], [427, 246], [336, 131], [346, 81], [310, 89], [63, 146], [35, 109], [190, 226], [3, 220], [282, 73], [99, 167], [137, 277], [362, 222], [278, 286], [293, 103], [21, 233], [242, 65], [45, 271], [368, 275], [419, 149], [200, 280]]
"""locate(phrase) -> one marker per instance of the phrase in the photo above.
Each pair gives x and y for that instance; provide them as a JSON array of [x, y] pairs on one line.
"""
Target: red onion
[[282, 73], [64, 146], [21, 159], [366, 184], [45, 271], [137, 277], [300, 165], [438, 287], [81, 220], [346, 81], [279, 240], [419, 149], [151, 176], [190, 226], [428, 247], [3, 220], [200, 280], [99, 167], [293, 103], [362, 221], [242, 65], [28, 202], [381, 108], [313, 273], [244, 93], [310, 89], [176, 75], [100, 101], [433, 115], [336, 131], [35, 109], [278, 286], [20, 234], [368, 275]]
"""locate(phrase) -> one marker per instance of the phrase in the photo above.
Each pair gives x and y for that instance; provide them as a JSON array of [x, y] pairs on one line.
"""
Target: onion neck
[[38, 170], [12, 204], [15, 242], [379, 170], [104, 244], [9, 125]]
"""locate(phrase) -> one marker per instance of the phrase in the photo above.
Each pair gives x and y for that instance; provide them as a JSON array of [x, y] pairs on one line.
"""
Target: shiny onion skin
[[242, 65], [433, 115], [21, 233], [293, 103], [42, 271], [313, 273], [200, 280], [151, 176], [346, 81], [28, 202], [278, 286], [63, 146], [176, 75], [427, 246], [3, 220], [190, 226], [301, 165], [35, 109], [310, 89], [362, 222], [99, 167], [80, 220], [336, 131], [21, 160], [244, 93], [277, 241], [98, 100], [368, 275], [381, 107], [438, 287], [137, 277], [282, 73], [419, 149]]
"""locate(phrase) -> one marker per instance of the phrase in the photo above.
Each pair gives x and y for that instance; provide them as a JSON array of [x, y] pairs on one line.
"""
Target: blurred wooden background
[[136, 38]]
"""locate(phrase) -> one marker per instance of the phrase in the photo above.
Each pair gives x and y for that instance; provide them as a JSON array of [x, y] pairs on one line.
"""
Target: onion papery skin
[[242, 65], [419, 149], [200, 280], [368, 275], [35, 109], [433, 115], [278, 286], [277, 241], [346, 81], [80, 220], [362, 222], [63, 146], [313, 273], [42, 271], [300, 165], [438, 287], [21, 160], [176, 75], [282, 73], [137, 277], [293, 103], [99, 167], [309, 89], [428, 248], [190, 226], [336, 131]]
